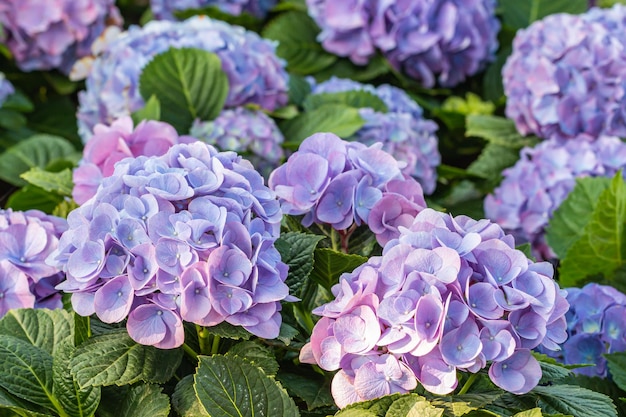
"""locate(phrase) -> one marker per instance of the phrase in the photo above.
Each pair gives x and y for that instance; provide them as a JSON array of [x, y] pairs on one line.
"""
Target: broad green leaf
[[313, 388], [64, 208], [55, 182], [569, 220], [185, 401], [121, 361], [497, 130], [492, 79], [617, 367], [82, 329], [57, 117], [363, 242], [356, 413], [230, 386], [287, 333], [355, 98], [459, 405], [339, 119], [296, 250], [299, 89], [535, 412], [376, 408], [75, 401], [60, 83], [18, 101], [601, 248], [296, 34], [26, 371], [229, 331], [31, 197], [344, 68], [244, 19], [284, 5], [150, 111], [189, 83], [20, 407], [330, 264], [144, 400], [42, 328], [492, 161], [472, 104], [577, 401], [601, 385], [519, 14], [256, 355], [36, 151], [551, 370], [413, 405], [11, 119]]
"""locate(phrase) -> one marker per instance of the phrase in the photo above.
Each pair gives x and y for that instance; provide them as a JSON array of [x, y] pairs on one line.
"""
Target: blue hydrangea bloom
[[6, 88], [53, 34], [164, 9], [255, 74], [538, 183], [403, 130]]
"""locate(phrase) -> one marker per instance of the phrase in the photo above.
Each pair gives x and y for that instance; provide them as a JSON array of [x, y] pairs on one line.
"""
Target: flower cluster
[[49, 34], [111, 144], [249, 132], [538, 183], [255, 74], [6, 88], [340, 183], [404, 132], [450, 293], [566, 77], [26, 240], [441, 40], [188, 235], [595, 326], [164, 9]]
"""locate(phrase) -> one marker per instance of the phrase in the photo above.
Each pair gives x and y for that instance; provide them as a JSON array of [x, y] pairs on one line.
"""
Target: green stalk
[[468, 384], [215, 347], [189, 351]]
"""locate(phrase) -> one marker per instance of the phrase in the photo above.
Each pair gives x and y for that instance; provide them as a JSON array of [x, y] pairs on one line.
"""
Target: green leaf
[[617, 367], [189, 83], [287, 333], [150, 111], [330, 264], [577, 401], [230, 386], [376, 408], [31, 197], [535, 412], [296, 34], [459, 405], [11, 119], [296, 250], [144, 400], [519, 14], [64, 208], [341, 120], [601, 248], [492, 79], [256, 355], [497, 130], [244, 19], [122, 361], [57, 117], [551, 372], [55, 182], [185, 401], [355, 98], [601, 385], [42, 328], [312, 388], [413, 405], [229, 331], [492, 161], [574, 213], [299, 89], [19, 102], [472, 104], [82, 329], [36, 151], [344, 68], [356, 413]]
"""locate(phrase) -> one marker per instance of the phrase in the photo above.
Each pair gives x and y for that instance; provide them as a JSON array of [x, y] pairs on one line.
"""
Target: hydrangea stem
[[203, 339], [468, 384], [215, 346], [333, 239], [190, 351]]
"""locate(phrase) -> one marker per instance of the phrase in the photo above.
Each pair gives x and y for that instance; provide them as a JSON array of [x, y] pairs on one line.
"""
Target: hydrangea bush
[[165, 9], [54, 34]]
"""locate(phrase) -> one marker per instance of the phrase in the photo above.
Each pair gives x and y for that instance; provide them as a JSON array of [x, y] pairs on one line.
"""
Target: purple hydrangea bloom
[[403, 130], [332, 181], [255, 74], [186, 236], [595, 326], [6, 88], [26, 240], [538, 183], [249, 132], [164, 9], [566, 77], [449, 294], [49, 34]]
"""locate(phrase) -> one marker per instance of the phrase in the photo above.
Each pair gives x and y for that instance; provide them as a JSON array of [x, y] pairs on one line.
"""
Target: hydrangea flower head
[[544, 176], [188, 235], [49, 34], [255, 74], [340, 183], [6, 88], [403, 130], [566, 78], [245, 131], [448, 294], [26, 240], [111, 144], [164, 9], [595, 326]]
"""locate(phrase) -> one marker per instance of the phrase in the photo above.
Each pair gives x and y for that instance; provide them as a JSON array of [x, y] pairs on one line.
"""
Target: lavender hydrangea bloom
[[249, 132], [255, 74], [404, 132], [164, 9], [26, 240], [448, 294], [595, 326], [566, 77], [49, 34], [332, 181], [186, 236], [543, 177], [6, 88]]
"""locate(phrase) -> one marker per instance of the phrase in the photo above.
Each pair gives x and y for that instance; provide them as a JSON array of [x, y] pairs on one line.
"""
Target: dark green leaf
[[30, 197], [497, 130], [602, 385], [55, 182], [189, 83], [229, 331], [551, 371], [56, 117], [519, 14], [617, 367], [82, 329], [299, 89], [330, 264], [42, 328], [19, 102], [185, 401], [11, 119], [296, 34], [492, 161], [577, 401], [144, 400], [287, 333], [256, 355], [344, 68], [355, 98], [313, 389], [296, 250], [492, 79], [60, 83], [244, 19], [20, 407], [459, 405], [150, 111]]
